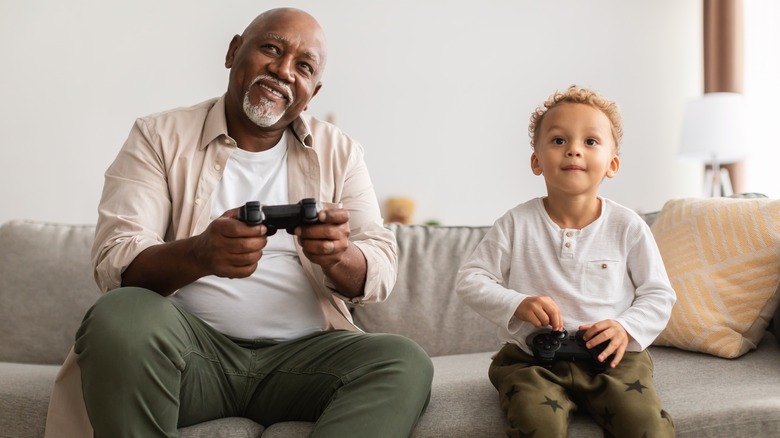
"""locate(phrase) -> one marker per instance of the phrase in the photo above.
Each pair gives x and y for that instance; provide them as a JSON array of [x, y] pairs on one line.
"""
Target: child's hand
[[607, 330], [541, 312]]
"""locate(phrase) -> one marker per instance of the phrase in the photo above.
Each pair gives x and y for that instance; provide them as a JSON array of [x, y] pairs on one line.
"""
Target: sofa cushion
[[231, 427], [46, 286], [705, 395], [24, 398], [423, 305], [715, 397], [723, 259]]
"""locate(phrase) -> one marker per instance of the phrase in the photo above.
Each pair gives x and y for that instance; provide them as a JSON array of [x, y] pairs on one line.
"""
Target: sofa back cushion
[[424, 305], [46, 286]]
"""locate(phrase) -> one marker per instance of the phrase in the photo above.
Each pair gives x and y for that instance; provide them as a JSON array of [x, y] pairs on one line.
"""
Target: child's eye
[[591, 142], [558, 140]]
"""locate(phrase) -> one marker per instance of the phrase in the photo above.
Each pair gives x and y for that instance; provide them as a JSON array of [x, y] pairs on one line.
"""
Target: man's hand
[[541, 312], [607, 330], [327, 244], [230, 248]]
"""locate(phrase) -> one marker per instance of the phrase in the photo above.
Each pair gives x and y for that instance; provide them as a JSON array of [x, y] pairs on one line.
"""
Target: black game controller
[[274, 217], [549, 346]]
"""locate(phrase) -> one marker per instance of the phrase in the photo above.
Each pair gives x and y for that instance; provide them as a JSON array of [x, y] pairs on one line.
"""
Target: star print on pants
[[511, 393], [553, 404], [607, 417], [636, 386]]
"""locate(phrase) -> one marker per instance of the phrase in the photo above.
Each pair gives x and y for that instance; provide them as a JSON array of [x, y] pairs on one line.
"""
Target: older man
[[208, 317]]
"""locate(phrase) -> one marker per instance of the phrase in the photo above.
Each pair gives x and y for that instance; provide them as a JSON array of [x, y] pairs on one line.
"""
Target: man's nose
[[282, 67]]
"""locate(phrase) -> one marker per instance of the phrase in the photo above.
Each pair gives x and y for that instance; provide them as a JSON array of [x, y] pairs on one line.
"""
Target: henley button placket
[[569, 244]]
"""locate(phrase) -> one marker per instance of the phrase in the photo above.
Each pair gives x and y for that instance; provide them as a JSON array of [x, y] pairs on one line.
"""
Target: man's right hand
[[541, 312], [228, 248]]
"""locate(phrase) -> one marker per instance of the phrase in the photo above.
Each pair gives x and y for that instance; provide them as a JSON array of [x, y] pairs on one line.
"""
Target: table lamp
[[714, 131]]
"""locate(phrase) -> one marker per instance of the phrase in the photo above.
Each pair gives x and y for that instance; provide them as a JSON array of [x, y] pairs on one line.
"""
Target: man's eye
[[272, 49], [306, 67]]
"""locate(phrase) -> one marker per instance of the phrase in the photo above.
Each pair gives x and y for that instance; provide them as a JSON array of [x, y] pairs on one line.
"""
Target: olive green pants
[[539, 402], [148, 368]]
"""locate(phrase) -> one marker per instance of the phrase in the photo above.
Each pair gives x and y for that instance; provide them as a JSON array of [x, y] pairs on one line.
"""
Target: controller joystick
[[559, 335], [274, 217], [549, 346], [251, 213]]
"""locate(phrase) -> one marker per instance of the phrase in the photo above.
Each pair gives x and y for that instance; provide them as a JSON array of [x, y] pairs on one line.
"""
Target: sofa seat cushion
[[463, 404], [24, 398], [706, 395], [716, 397], [232, 427], [24, 401]]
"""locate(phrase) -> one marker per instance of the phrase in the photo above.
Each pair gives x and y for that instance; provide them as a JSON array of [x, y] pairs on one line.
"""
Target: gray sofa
[[46, 285]]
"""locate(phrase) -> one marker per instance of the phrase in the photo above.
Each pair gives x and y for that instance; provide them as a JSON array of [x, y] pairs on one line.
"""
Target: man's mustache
[[286, 90]]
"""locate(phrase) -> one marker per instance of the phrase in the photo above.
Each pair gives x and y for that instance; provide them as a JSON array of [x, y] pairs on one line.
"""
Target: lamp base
[[717, 182]]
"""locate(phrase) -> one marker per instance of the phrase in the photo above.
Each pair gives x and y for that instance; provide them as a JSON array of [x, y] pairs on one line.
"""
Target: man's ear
[[235, 43], [614, 165], [316, 90], [536, 168]]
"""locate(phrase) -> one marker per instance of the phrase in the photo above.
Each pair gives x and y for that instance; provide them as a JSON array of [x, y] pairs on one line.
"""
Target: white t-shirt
[[611, 269], [277, 301]]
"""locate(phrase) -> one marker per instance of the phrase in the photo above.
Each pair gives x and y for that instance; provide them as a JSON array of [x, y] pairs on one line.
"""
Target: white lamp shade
[[715, 128]]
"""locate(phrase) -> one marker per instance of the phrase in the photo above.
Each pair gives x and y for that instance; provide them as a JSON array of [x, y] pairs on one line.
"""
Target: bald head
[[273, 18]]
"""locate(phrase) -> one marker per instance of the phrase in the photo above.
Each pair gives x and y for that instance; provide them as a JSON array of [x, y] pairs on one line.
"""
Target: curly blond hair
[[575, 94]]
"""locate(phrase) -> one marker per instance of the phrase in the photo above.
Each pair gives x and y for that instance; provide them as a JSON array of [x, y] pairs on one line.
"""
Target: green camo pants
[[539, 402], [149, 368]]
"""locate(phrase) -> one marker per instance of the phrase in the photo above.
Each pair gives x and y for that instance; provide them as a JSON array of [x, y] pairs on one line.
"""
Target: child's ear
[[614, 165], [536, 168]]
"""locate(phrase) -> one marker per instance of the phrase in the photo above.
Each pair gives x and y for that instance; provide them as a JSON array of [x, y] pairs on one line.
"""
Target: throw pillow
[[723, 260]]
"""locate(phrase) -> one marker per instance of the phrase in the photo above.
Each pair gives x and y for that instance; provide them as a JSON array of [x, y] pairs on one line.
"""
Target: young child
[[576, 261]]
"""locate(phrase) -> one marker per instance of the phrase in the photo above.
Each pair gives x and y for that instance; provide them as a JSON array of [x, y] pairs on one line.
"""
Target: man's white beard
[[261, 114]]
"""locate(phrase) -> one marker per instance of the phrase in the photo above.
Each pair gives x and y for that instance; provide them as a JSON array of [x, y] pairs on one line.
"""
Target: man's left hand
[[326, 243]]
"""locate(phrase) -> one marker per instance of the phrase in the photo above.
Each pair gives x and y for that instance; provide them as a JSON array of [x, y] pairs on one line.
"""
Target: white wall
[[438, 91]]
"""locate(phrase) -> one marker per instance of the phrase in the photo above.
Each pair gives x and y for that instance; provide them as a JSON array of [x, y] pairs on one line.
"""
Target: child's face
[[574, 150]]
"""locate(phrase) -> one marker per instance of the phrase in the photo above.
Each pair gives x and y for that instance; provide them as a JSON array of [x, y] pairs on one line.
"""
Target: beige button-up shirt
[[159, 189]]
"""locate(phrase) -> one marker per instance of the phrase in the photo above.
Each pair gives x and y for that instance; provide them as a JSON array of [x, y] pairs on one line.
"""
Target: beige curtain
[[724, 53]]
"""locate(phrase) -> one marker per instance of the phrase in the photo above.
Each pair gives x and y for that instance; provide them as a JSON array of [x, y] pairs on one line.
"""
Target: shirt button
[[569, 234], [603, 266], [567, 245], [217, 167], [197, 201]]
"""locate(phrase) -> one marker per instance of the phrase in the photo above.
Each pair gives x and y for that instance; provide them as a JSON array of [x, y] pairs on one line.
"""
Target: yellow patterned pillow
[[723, 259]]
